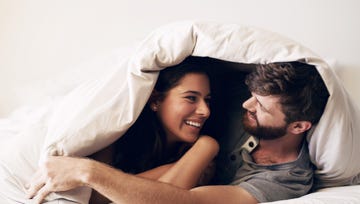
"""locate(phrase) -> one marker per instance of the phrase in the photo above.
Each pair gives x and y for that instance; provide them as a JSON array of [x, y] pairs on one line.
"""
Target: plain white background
[[40, 39]]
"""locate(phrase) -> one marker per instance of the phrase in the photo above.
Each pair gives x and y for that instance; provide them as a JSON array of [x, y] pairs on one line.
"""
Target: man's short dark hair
[[303, 93]]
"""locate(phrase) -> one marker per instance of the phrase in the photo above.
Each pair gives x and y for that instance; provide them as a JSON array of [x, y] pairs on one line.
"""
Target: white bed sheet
[[334, 195]]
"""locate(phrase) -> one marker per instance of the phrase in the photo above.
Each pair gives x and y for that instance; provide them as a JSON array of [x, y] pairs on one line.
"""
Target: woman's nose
[[203, 109]]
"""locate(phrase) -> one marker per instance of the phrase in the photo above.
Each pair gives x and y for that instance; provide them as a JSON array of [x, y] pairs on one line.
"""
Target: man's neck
[[280, 150]]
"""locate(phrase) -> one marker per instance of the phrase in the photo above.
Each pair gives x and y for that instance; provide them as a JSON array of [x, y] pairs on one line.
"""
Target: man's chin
[[252, 130]]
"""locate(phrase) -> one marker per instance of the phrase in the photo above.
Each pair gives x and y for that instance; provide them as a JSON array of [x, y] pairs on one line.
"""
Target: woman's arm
[[186, 172], [192, 166], [156, 173]]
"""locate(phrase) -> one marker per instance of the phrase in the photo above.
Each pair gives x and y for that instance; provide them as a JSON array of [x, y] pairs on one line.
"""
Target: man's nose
[[250, 104]]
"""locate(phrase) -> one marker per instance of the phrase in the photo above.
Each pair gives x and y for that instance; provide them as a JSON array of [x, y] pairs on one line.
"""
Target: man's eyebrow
[[262, 106]]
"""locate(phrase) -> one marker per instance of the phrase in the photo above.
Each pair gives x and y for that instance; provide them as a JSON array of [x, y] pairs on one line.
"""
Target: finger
[[34, 188], [42, 193], [36, 183], [35, 177]]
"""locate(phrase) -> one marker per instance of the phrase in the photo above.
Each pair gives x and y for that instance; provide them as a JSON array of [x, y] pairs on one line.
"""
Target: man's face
[[264, 117]]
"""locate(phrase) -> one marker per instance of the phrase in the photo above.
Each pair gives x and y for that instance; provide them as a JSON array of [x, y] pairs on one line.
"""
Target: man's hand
[[56, 174]]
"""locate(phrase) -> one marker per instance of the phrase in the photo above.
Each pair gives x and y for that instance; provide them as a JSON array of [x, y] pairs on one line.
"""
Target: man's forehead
[[269, 101]]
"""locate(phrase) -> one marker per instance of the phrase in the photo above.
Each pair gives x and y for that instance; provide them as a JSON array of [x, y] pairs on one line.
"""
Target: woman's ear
[[154, 100], [299, 127]]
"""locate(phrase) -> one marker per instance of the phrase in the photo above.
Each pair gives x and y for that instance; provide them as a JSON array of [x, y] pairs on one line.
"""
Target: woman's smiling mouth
[[193, 123]]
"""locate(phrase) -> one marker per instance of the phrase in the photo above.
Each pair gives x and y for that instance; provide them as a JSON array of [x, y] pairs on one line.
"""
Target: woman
[[164, 144]]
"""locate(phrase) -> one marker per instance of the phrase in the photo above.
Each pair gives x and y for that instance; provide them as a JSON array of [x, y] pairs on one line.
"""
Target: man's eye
[[262, 107]]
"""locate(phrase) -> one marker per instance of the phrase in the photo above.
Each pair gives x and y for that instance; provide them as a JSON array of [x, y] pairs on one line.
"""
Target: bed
[[80, 117]]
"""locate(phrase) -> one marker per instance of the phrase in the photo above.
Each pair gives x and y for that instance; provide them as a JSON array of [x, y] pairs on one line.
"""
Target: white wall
[[42, 38]]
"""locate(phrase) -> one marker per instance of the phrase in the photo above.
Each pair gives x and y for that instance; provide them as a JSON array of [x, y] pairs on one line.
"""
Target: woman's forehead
[[194, 81]]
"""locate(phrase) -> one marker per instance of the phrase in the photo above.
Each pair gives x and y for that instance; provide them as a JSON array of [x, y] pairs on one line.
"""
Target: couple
[[165, 158]]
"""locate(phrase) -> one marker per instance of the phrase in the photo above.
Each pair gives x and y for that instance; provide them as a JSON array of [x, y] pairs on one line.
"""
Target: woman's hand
[[56, 174]]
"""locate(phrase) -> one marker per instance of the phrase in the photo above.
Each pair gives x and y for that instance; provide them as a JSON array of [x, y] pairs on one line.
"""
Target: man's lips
[[251, 116]]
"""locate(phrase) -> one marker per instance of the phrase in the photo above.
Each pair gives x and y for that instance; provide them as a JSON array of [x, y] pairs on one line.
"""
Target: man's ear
[[299, 127]]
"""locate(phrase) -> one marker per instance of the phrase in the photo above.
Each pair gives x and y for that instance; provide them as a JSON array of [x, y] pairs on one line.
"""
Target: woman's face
[[185, 108]]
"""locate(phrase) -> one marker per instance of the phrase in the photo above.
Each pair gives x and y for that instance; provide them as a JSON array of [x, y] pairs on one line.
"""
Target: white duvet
[[95, 113]]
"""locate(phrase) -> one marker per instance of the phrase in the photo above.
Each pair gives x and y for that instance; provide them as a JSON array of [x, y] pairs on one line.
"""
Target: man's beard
[[263, 132]]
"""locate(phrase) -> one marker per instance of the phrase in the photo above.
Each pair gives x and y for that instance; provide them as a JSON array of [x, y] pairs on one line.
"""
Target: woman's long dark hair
[[142, 147]]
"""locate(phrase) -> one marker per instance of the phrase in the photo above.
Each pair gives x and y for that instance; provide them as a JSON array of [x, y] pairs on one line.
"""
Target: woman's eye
[[208, 100], [191, 98]]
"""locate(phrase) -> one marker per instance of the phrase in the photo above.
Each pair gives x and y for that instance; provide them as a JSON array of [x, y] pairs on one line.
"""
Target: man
[[270, 163]]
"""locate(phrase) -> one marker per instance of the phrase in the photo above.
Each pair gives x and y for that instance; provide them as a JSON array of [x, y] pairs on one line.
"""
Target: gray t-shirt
[[266, 182], [275, 182]]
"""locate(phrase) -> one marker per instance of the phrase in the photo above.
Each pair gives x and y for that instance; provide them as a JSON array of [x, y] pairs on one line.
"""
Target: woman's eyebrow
[[190, 91], [195, 92]]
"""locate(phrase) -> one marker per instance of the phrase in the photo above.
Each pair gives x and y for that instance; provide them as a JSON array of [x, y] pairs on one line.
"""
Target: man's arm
[[132, 189], [120, 187]]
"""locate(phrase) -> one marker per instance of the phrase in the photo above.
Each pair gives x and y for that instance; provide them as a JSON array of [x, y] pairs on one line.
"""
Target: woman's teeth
[[192, 123]]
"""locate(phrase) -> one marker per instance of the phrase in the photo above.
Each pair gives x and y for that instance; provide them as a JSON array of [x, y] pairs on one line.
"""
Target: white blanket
[[98, 112]]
